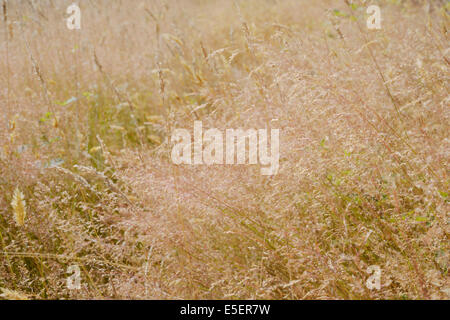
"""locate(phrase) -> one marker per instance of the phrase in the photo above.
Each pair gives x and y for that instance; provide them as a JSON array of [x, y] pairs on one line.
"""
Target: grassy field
[[86, 178]]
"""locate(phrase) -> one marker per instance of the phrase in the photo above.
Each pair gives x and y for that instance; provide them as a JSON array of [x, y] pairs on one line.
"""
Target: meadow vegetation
[[86, 176]]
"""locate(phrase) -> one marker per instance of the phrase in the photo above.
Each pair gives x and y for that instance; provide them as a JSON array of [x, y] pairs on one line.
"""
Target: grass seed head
[[19, 207]]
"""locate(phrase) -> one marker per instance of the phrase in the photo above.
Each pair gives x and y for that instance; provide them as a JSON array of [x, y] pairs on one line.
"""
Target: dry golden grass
[[85, 135]]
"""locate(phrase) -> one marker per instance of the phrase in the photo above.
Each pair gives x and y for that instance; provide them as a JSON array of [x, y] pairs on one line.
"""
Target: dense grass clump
[[86, 177]]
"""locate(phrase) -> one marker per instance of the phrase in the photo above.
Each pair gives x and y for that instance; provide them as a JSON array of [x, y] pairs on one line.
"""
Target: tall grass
[[85, 150]]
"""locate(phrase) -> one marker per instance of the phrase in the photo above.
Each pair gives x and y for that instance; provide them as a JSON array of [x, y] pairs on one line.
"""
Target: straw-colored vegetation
[[86, 177]]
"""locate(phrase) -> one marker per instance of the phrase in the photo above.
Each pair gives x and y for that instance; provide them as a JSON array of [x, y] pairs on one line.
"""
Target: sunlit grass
[[85, 171]]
